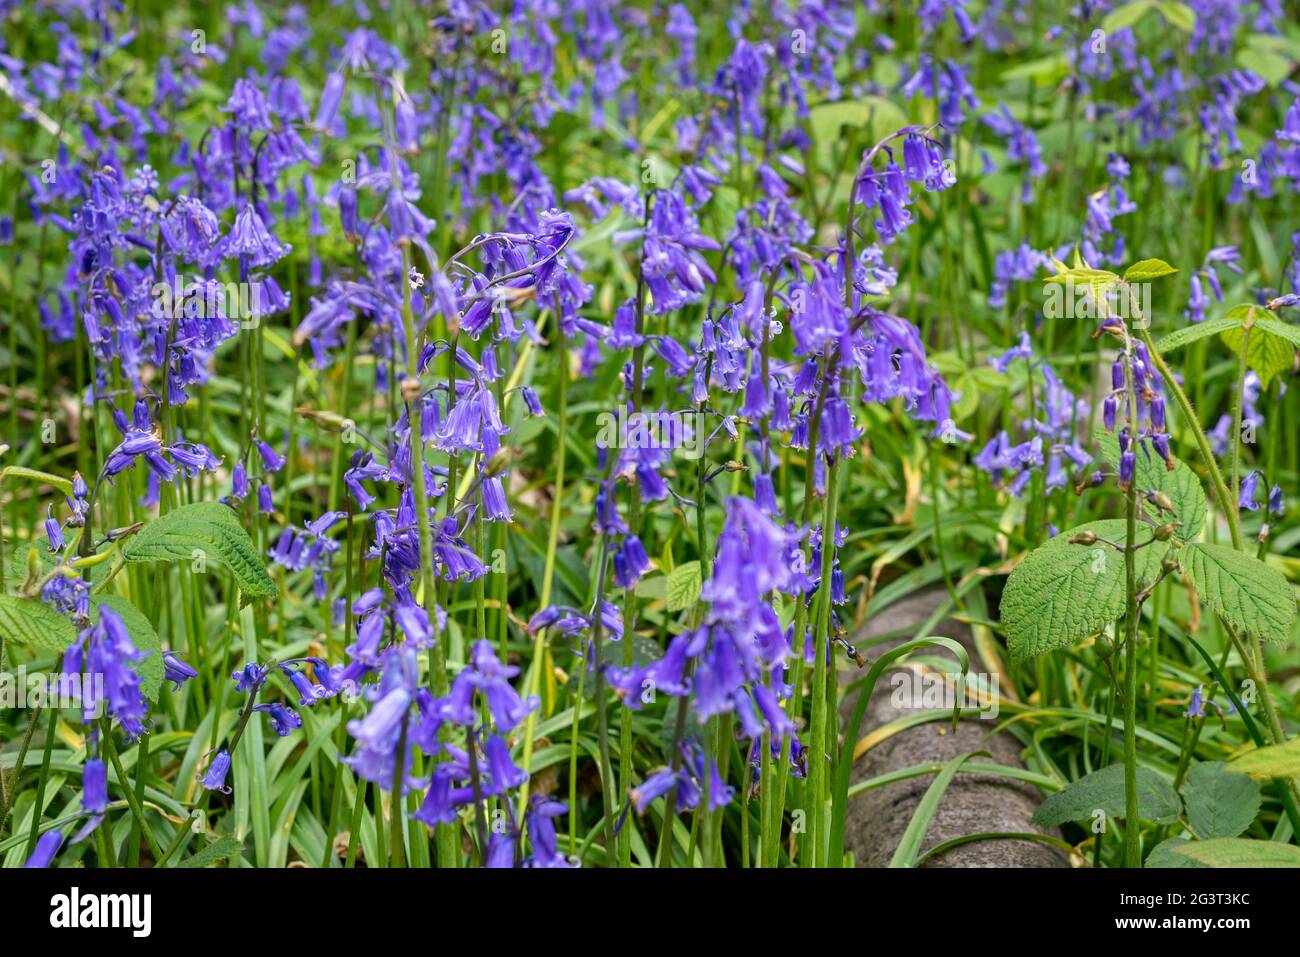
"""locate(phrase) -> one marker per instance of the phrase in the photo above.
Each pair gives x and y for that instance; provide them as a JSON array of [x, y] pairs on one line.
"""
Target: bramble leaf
[[1248, 594], [1151, 474], [208, 531], [1103, 790], [1189, 334], [683, 586], [1270, 761], [1220, 801], [1062, 593], [1241, 852], [143, 636], [30, 622]]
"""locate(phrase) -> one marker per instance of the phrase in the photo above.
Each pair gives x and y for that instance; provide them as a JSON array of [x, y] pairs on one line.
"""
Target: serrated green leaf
[[1104, 790], [1241, 852], [223, 848], [1266, 353], [207, 529], [1062, 593], [1248, 594], [1281, 329], [30, 622], [143, 636], [1270, 761], [1148, 269], [1188, 334], [683, 586], [1220, 802], [1152, 474], [1165, 854]]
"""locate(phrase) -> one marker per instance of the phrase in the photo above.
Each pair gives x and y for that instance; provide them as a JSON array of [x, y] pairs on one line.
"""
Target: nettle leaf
[[143, 636], [1152, 474], [1220, 801], [1271, 761], [1104, 791], [683, 586], [1188, 334], [207, 531], [1148, 269], [1241, 852], [1062, 593], [30, 622], [1245, 592]]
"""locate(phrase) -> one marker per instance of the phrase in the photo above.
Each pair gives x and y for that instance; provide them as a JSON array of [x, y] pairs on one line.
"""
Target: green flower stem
[[602, 716], [814, 849], [124, 783], [35, 833], [1132, 835], [634, 525], [534, 679], [1238, 401], [1226, 501], [447, 853]]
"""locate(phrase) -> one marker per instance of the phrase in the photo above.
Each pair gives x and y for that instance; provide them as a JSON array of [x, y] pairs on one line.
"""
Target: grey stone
[[973, 804]]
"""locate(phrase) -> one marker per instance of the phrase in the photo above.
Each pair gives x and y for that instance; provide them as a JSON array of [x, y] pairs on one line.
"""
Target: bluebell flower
[[176, 670], [214, 779]]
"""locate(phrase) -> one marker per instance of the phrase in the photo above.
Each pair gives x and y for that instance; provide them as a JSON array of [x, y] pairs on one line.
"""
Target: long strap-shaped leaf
[[909, 847], [844, 767]]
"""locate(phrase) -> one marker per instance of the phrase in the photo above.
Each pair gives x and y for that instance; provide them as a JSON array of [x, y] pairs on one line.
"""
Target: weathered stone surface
[[973, 803]]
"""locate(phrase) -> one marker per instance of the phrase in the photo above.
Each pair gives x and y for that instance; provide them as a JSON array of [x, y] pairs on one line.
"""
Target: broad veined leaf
[[1188, 334], [1104, 791], [1062, 593], [27, 621], [1152, 474], [1270, 761], [1241, 852], [143, 636], [1220, 802], [1165, 854], [206, 532], [683, 586], [1245, 592], [1283, 330], [1148, 269], [1266, 353]]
